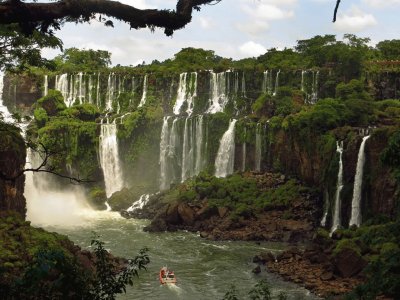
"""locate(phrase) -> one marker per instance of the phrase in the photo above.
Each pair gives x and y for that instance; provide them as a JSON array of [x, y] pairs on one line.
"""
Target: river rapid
[[204, 269]]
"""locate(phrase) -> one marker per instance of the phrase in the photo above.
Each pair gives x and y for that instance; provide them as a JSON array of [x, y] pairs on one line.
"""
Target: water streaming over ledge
[[109, 158], [226, 153], [356, 217], [336, 220], [258, 148], [144, 95]]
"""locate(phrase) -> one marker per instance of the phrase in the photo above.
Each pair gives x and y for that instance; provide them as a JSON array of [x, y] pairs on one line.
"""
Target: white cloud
[[206, 23], [382, 3], [262, 13], [141, 4], [252, 49], [354, 20]]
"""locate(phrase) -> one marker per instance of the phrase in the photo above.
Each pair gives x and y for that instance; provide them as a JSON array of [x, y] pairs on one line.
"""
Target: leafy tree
[[389, 49], [85, 60]]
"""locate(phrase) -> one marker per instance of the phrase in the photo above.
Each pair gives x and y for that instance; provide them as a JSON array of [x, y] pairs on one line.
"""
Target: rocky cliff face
[[12, 161]]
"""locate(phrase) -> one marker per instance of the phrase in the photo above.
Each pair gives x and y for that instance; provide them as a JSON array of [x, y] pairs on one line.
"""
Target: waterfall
[[139, 204], [187, 151], [276, 82], [264, 87], [258, 150], [336, 223], [98, 90], [181, 97], [109, 158], [187, 91], [236, 83], [243, 86], [111, 87], [358, 179], [226, 153], [62, 86], [90, 86], [303, 72], [164, 184], [4, 112], [46, 85], [218, 98], [144, 95], [244, 152], [314, 92], [46, 203], [326, 209], [199, 144]]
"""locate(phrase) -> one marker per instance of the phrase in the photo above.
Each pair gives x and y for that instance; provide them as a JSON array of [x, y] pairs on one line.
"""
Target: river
[[204, 269]]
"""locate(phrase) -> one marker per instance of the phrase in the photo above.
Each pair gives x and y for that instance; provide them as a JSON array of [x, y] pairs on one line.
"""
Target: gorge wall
[[170, 126]]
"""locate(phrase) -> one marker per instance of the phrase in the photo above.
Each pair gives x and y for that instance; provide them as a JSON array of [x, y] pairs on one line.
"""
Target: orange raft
[[167, 276]]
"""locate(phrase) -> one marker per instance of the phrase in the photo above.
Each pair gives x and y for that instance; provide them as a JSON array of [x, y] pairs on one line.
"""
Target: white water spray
[[109, 158], [336, 222], [224, 162], [144, 95], [356, 217]]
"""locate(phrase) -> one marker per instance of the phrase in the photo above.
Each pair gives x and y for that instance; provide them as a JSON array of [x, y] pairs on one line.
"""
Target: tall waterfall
[[303, 73], [226, 153], [243, 86], [336, 222], [182, 150], [144, 95], [219, 98], [46, 85], [267, 82], [244, 150], [187, 153], [3, 109], [187, 91], [258, 149], [109, 158], [358, 179], [200, 147], [276, 83], [164, 184], [314, 91], [111, 87], [79, 88]]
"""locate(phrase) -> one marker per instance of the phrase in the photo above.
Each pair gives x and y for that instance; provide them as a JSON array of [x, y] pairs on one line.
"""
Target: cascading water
[[243, 86], [7, 117], [219, 98], [314, 92], [46, 85], [276, 82], [47, 204], [139, 203], [258, 150], [187, 91], [303, 88], [336, 220], [244, 150], [144, 95], [226, 153], [109, 158], [267, 82], [199, 133], [181, 97], [164, 183], [187, 151], [358, 179], [326, 209], [111, 87]]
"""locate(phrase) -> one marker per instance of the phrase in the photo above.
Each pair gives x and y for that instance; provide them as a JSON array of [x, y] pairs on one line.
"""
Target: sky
[[237, 28]]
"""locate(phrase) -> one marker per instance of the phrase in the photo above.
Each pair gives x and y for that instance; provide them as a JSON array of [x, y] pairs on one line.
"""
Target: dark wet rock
[[349, 263], [257, 270]]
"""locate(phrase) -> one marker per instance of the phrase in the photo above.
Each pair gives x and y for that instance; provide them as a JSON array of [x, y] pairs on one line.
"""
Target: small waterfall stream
[[258, 149], [226, 152], [358, 179], [244, 150], [336, 222], [219, 98], [144, 95], [109, 158]]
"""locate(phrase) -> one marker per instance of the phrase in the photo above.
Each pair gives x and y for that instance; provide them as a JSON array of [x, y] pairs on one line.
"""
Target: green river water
[[204, 269]]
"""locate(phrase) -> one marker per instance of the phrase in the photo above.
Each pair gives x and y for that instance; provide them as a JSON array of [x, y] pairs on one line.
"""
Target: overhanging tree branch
[[50, 15], [336, 10]]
